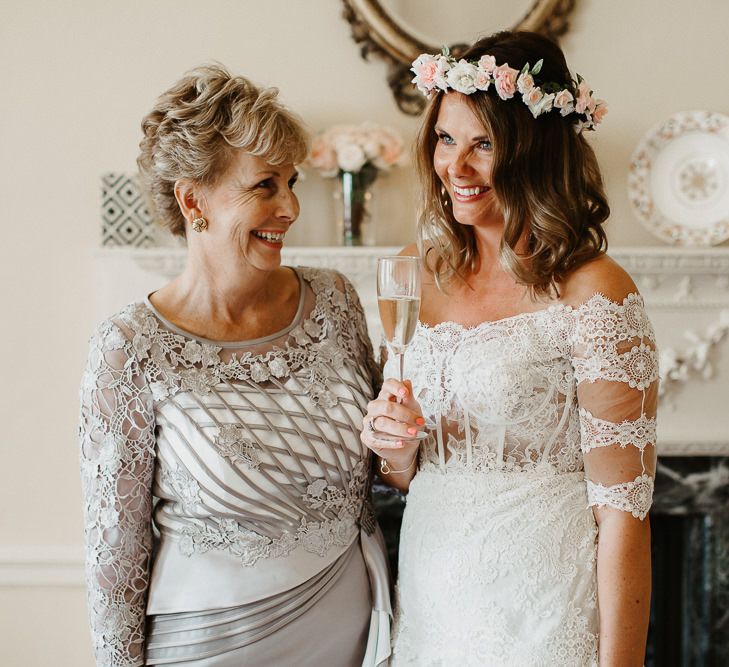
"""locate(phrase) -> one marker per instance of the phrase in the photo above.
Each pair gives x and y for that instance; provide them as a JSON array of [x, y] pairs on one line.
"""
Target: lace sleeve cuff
[[637, 367], [118, 646], [635, 497], [597, 432]]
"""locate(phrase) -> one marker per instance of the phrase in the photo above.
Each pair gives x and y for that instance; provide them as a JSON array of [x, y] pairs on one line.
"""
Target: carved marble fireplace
[[687, 296]]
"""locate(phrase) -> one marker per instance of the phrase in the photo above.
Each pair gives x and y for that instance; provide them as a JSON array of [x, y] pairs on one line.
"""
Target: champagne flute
[[398, 299]]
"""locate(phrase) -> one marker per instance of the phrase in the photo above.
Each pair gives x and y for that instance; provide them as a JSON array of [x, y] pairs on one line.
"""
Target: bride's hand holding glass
[[392, 426], [394, 419]]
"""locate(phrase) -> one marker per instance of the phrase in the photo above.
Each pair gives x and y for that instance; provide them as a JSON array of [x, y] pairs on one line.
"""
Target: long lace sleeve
[[117, 462], [616, 369]]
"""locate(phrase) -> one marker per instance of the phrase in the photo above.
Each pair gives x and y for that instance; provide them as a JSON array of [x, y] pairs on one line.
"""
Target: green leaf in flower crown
[[538, 67], [446, 51], [524, 70]]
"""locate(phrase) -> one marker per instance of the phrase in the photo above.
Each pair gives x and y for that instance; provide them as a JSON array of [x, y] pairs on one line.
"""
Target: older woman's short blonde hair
[[194, 127]]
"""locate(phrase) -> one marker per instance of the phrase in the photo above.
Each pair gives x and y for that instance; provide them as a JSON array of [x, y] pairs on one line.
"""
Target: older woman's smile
[[272, 238]]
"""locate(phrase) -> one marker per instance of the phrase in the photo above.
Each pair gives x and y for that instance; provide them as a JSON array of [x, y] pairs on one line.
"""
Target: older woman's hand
[[390, 425]]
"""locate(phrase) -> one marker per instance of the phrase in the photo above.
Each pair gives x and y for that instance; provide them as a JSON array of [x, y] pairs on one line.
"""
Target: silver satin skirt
[[323, 622]]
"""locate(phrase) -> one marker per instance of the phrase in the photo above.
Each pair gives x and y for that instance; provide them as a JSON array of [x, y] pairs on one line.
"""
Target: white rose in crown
[[463, 77], [544, 104]]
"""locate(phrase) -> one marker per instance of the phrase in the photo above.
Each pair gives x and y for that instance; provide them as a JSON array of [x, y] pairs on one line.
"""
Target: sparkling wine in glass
[[398, 298]]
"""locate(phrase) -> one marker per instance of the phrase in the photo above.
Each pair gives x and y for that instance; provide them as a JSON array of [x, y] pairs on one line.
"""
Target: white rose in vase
[[351, 157]]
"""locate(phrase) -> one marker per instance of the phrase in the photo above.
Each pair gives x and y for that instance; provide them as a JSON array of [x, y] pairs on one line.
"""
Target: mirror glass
[[457, 21]]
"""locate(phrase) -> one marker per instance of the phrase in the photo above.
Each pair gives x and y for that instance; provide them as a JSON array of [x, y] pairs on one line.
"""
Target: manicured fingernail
[[420, 421], [402, 391], [399, 443], [412, 430]]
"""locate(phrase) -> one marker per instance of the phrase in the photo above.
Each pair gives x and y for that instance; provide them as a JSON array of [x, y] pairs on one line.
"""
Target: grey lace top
[[241, 462]]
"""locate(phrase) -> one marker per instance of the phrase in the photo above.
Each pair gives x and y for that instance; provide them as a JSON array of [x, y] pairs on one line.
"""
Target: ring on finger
[[371, 424]]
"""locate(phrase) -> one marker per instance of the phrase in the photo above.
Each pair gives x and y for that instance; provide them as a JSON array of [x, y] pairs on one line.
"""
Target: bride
[[534, 369]]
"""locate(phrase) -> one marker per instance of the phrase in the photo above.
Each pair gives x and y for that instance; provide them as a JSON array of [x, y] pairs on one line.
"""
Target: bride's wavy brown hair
[[544, 174]]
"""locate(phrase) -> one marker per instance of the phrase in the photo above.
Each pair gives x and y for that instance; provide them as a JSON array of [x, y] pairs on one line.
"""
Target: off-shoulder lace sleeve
[[117, 460], [616, 369]]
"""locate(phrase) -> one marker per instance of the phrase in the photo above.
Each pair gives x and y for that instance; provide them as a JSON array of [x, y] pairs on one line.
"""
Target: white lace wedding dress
[[534, 419]]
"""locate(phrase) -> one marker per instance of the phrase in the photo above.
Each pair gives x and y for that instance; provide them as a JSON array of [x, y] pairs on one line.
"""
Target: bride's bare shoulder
[[602, 275], [427, 277], [410, 251]]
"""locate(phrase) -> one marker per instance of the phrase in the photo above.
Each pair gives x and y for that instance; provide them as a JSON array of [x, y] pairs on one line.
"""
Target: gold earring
[[199, 224]]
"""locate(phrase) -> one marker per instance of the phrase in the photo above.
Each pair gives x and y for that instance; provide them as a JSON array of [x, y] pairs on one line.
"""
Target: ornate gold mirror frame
[[380, 34]]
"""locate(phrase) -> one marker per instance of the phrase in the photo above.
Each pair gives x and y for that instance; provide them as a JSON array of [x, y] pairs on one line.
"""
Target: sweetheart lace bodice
[[560, 390]]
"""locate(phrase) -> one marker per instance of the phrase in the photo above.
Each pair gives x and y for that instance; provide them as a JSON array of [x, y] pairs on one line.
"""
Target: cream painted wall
[[77, 78]]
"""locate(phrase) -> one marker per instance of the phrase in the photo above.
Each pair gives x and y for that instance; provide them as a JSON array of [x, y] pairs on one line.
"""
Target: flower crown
[[443, 71]]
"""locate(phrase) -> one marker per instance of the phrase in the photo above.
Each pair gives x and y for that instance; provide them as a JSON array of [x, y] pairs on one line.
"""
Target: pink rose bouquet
[[352, 148], [355, 154]]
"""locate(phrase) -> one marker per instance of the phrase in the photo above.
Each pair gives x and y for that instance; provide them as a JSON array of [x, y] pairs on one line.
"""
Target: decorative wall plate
[[678, 182]]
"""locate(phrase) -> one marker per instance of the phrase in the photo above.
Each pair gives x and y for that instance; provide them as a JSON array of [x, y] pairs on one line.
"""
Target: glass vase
[[356, 225]]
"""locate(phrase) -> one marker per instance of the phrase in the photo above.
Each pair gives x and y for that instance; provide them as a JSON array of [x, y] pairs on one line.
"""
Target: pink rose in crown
[[505, 81], [525, 83], [591, 106], [533, 96], [482, 80], [487, 63], [565, 102], [600, 111], [584, 97], [430, 72]]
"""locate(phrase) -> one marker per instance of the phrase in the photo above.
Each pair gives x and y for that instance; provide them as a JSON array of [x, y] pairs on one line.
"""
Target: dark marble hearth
[[690, 525], [690, 546]]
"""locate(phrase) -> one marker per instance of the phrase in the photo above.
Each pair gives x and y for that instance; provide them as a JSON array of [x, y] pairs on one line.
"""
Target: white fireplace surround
[[686, 292]]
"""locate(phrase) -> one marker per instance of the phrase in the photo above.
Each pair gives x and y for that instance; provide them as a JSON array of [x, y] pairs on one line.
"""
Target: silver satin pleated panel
[[313, 624]]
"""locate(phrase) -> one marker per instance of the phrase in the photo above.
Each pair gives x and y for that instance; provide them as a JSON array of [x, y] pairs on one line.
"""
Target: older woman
[[227, 516], [525, 539]]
